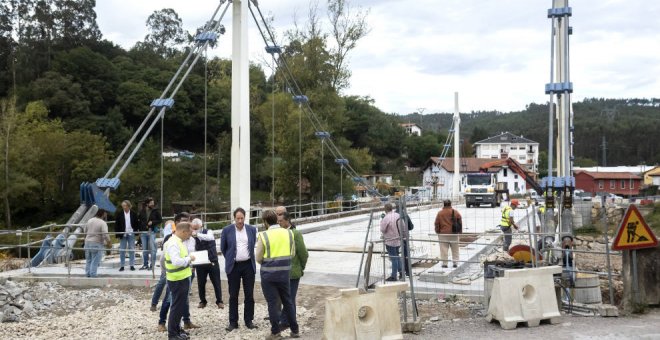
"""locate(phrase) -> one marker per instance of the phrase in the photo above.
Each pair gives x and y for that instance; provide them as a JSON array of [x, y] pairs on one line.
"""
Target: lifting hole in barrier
[[366, 315], [529, 293]]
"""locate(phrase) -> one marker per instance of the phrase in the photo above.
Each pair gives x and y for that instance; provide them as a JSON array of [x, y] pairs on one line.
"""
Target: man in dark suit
[[126, 224], [237, 245]]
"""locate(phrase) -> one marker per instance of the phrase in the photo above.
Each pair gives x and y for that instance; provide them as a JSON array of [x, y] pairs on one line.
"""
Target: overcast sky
[[496, 54]]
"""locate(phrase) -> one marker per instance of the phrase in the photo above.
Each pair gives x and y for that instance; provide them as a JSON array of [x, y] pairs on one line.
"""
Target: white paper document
[[201, 257]]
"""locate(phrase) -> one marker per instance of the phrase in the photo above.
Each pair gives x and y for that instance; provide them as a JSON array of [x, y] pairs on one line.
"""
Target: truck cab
[[480, 189]]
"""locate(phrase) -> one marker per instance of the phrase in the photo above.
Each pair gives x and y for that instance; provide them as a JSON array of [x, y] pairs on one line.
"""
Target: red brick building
[[619, 183]]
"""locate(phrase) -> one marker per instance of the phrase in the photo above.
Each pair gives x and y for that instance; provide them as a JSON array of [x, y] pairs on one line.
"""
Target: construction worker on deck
[[507, 222]]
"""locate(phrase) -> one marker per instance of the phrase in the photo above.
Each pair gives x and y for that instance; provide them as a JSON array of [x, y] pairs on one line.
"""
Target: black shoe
[[250, 325], [283, 327], [182, 332], [295, 334], [444, 266], [391, 279], [132, 268], [121, 269], [178, 337], [231, 328], [455, 265], [144, 267]]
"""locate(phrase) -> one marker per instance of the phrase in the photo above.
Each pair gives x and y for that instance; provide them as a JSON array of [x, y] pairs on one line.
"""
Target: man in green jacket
[[297, 264]]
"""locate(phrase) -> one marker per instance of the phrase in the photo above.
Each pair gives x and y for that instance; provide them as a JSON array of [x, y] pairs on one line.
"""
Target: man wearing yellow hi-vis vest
[[274, 250], [177, 271], [507, 222]]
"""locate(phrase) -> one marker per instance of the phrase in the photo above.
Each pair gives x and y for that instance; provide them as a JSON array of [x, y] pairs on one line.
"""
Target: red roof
[[609, 175]]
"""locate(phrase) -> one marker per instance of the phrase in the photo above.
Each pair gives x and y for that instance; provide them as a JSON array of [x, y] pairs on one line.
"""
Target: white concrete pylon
[[457, 151], [240, 109]]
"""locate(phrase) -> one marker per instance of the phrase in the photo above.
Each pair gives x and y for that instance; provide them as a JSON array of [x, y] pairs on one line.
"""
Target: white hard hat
[[197, 221]]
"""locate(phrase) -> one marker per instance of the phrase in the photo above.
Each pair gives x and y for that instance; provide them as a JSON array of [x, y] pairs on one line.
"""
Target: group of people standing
[[280, 250], [128, 224]]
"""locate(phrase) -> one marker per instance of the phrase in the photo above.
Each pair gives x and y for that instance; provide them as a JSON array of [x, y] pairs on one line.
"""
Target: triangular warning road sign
[[633, 232]]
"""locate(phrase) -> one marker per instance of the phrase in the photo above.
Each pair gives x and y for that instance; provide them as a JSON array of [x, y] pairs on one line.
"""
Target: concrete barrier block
[[364, 316], [524, 295]]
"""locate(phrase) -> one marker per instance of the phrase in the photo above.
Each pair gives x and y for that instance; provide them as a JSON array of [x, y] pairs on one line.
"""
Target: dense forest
[[71, 99]]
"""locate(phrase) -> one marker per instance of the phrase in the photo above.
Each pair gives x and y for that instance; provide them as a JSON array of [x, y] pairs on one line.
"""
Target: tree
[[347, 29], [75, 22], [166, 32]]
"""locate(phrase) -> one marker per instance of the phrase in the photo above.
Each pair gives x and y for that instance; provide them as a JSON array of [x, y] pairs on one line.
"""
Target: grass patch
[[590, 230], [653, 219]]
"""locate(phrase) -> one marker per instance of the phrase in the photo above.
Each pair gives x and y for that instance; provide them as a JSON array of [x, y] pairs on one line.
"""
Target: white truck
[[483, 188]]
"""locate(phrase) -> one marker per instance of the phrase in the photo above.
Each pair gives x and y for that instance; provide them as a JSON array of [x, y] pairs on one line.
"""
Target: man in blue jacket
[[237, 245]]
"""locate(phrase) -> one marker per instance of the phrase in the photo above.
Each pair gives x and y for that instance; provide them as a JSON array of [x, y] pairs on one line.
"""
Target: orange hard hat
[[515, 202]]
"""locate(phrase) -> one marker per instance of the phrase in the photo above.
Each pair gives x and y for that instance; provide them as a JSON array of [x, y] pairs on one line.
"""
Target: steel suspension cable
[[294, 86], [193, 51]]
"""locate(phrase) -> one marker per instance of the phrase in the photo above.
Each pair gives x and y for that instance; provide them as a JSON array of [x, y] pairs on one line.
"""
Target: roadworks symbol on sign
[[633, 232]]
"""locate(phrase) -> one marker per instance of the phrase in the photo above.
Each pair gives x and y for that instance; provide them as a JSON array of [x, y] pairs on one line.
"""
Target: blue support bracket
[[105, 183], [341, 161], [322, 134], [559, 182], [558, 88], [300, 99], [358, 179], [448, 145], [91, 194], [162, 102], [560, 12], [273, 49], [206, 36]]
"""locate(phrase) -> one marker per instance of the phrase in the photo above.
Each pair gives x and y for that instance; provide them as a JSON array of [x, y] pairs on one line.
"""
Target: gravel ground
[[113, 313]]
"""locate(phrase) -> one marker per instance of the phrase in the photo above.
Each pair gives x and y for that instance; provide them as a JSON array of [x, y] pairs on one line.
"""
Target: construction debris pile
[[20, 301]]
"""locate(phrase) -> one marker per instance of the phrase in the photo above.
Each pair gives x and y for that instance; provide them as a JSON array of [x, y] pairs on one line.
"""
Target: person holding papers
[[205, 241]]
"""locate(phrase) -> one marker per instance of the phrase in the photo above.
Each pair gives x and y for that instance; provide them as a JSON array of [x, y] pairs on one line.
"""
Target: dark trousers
[[507, 237], [213, 271], [406, 255], [165, 308], [276, 292], [242, 271], [179, 290], [293, 288]]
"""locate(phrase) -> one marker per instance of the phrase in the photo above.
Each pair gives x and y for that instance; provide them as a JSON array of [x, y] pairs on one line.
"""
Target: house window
[[515, 176], [623, 184], [612, 184], [632, 184], [601, 184], [505, 173]]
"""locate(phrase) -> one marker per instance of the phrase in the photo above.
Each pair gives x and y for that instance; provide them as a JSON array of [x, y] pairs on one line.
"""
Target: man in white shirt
[[126, 222], [237, 244]]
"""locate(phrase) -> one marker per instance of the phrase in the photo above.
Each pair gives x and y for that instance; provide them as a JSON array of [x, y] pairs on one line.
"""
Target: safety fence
[[591, 272]]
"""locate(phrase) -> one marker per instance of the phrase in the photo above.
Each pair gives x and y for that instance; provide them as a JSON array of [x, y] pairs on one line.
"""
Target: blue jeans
[[128, 241], [93, 257], [293, 287], [393, 253], [148, 247], [158, 289]]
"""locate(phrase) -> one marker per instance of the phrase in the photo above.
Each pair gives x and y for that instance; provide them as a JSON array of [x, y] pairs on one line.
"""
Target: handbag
[[456, 224]]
